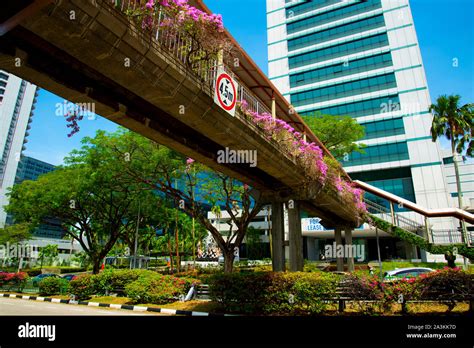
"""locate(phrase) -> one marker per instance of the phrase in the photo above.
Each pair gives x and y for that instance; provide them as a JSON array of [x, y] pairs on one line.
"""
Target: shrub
[[158, 288], [110, 279], [52, 286], [273, 293], [83, 287], [12, 278], [446, 282]]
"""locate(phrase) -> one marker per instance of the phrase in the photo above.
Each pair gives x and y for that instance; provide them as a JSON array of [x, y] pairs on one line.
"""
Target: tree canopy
[[338, 133]]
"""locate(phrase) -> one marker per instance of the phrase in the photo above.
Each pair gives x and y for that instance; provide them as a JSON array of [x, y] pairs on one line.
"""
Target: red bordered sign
[[225, 93]]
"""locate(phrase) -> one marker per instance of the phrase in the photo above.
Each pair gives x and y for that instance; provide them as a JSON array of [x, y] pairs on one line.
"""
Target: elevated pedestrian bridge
[[79, 49]]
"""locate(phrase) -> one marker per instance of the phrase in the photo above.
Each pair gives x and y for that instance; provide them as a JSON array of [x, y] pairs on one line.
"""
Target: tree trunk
[[229, 261], [464, 237], [95, 264], [178, 260], [456, 172]]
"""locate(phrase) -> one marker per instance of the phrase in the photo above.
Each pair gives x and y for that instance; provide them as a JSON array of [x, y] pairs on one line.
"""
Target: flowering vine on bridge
[[308, 154], [200, 35]]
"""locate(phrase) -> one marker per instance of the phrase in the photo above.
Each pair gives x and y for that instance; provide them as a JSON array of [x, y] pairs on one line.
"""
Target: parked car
[[400, 273], [40, 277], [69, 277]]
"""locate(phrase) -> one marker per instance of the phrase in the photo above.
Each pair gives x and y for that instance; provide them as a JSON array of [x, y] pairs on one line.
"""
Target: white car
[[401, 273]]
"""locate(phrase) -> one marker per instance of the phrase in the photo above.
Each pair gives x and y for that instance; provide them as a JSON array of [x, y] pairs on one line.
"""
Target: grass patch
[[194, 305]]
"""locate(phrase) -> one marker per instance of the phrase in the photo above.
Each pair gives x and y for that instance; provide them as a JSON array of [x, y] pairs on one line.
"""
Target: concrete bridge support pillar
[[278, 234], [350, 256], [296, 237], [339, 260]]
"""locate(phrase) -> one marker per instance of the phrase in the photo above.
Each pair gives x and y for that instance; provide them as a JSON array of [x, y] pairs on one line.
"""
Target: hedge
[[52, 286], [273, 293], [158, 288], [141, 286]]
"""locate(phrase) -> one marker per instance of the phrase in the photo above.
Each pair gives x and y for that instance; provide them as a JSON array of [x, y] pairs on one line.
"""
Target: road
[[12, 306]]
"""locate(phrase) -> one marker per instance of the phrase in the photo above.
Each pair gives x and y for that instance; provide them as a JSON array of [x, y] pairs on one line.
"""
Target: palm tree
[[456, 124]]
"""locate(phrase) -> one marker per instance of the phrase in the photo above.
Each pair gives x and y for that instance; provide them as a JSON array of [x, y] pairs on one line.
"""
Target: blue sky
[[445, 32]]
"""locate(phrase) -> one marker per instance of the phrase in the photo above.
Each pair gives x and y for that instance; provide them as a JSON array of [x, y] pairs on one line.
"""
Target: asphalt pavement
[[14, 306]]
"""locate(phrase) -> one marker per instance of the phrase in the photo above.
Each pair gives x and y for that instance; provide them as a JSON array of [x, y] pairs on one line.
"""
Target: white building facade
[[362, 59], [17, 100]]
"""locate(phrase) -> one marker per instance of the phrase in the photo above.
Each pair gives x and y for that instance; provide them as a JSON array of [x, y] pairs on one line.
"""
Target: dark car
[[40, 277], [69, 277]]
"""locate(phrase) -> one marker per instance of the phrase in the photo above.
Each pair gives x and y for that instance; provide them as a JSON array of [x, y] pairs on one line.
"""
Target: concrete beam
[[350, 256], [339, 260], [296, 237], [278, 248]]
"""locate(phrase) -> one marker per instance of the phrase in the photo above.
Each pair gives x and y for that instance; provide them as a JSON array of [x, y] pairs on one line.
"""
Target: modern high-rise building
[[362, 59], [17, 100], [30, 169]]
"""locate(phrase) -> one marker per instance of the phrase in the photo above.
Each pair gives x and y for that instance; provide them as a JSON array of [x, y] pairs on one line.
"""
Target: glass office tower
[[362, 59]]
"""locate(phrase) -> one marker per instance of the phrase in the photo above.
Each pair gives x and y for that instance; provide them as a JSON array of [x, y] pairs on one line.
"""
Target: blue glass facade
[[378, 154], [337, 14], [341, 69], [30, 169], [361, 108], [336, 32], [346, 89], [340, 50]]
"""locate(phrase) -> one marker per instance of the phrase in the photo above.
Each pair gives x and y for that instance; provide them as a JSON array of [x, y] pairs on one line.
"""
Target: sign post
[[225, 93]]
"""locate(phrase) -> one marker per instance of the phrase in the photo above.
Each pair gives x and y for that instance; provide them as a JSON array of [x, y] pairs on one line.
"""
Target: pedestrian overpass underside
[[83, 61]]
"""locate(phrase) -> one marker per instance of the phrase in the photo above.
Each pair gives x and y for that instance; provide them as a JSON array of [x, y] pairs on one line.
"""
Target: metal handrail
[[179, 46]]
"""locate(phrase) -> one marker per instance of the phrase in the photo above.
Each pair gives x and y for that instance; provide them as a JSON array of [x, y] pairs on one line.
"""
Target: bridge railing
[[184, 50], [185, 53], [417, 224]]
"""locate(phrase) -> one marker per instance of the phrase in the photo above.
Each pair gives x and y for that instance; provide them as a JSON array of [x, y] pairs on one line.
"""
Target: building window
[[340, 50], [384, 128], [307, 6], [379, 154], [397, 181], [361, 108], [345, 89], [336, 32], [333, 15], [448, 160], [341, 69]]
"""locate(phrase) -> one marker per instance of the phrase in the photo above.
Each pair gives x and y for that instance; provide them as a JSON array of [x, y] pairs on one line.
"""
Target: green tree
[[162, 169], [15, 235], [48, 252], [455, 122], [93, 206], [338, 133]]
